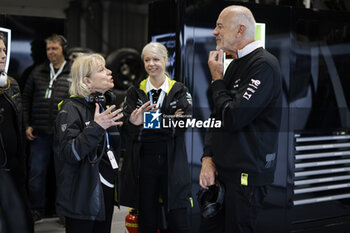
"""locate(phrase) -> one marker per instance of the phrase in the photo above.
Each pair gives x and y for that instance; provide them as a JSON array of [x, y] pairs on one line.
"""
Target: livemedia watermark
[[155, 120]]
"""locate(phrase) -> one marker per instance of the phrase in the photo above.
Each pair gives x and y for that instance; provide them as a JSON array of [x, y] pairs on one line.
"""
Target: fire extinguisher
[[131, 225]]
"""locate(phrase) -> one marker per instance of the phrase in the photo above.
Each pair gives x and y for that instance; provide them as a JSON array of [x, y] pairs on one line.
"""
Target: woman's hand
[[179, 112], [136, 117], [107, 118]]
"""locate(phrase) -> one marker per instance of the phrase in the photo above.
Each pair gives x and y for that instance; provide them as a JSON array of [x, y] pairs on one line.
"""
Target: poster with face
[[6, 34]]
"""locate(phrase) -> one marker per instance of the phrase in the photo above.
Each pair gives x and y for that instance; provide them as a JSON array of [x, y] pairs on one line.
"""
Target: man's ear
[[241, 30]]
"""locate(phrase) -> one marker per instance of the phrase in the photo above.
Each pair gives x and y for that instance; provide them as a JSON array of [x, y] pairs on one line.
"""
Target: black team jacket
[[80, 155], [179, 180], [248, 101], [13, 205], [16, 164]]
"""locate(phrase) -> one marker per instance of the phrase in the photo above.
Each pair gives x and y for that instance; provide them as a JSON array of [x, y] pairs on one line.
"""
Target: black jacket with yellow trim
[[179, 180], [79, 143], [16, 165]]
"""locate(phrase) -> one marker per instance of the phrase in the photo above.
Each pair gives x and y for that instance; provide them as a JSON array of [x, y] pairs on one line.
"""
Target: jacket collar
[[164, 86], [79, 99], [249, 48], [144, 83], [46, 66]]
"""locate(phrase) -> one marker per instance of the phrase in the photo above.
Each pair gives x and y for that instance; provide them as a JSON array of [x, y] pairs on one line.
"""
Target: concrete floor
[[51, 225]]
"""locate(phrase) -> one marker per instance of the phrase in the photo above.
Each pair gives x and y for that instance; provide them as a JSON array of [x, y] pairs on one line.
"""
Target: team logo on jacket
[[252, 87], [270, 159], [151, 120], [63, 127], [236, 83]]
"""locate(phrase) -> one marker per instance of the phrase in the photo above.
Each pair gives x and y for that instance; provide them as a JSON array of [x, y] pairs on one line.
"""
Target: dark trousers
[[154, 184], [39, 158], [241, 207], [89, 226], [14, 210]]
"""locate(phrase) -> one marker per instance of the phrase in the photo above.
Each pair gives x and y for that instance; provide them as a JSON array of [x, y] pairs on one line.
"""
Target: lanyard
[[53, 75], [160, 99], [107, 137], [108, 146], [110, 153]]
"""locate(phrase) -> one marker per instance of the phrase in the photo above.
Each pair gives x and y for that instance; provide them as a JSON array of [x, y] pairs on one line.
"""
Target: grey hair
[[83, 67], [245, 17]]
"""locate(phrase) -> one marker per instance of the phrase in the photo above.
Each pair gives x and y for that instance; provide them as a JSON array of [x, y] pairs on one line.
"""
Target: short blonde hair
[[157, 48], [83, 67]]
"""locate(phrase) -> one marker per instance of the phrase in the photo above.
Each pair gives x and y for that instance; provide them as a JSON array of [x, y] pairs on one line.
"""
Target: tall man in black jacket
[[248, 100], [47, 85]]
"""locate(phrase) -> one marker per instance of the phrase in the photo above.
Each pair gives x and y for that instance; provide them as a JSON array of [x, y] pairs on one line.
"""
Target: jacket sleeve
[[186, 101], [239, 108], [27, 99], [207, 149], [19, 105], [129, 105], [75, 140]]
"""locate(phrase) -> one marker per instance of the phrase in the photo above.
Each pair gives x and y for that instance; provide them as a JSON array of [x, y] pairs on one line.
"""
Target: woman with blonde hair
[[155, 173], [87, 148]]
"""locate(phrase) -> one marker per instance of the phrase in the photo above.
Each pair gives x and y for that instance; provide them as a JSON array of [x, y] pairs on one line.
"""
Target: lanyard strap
[[53, 75], [107, 136], [160, 98]]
